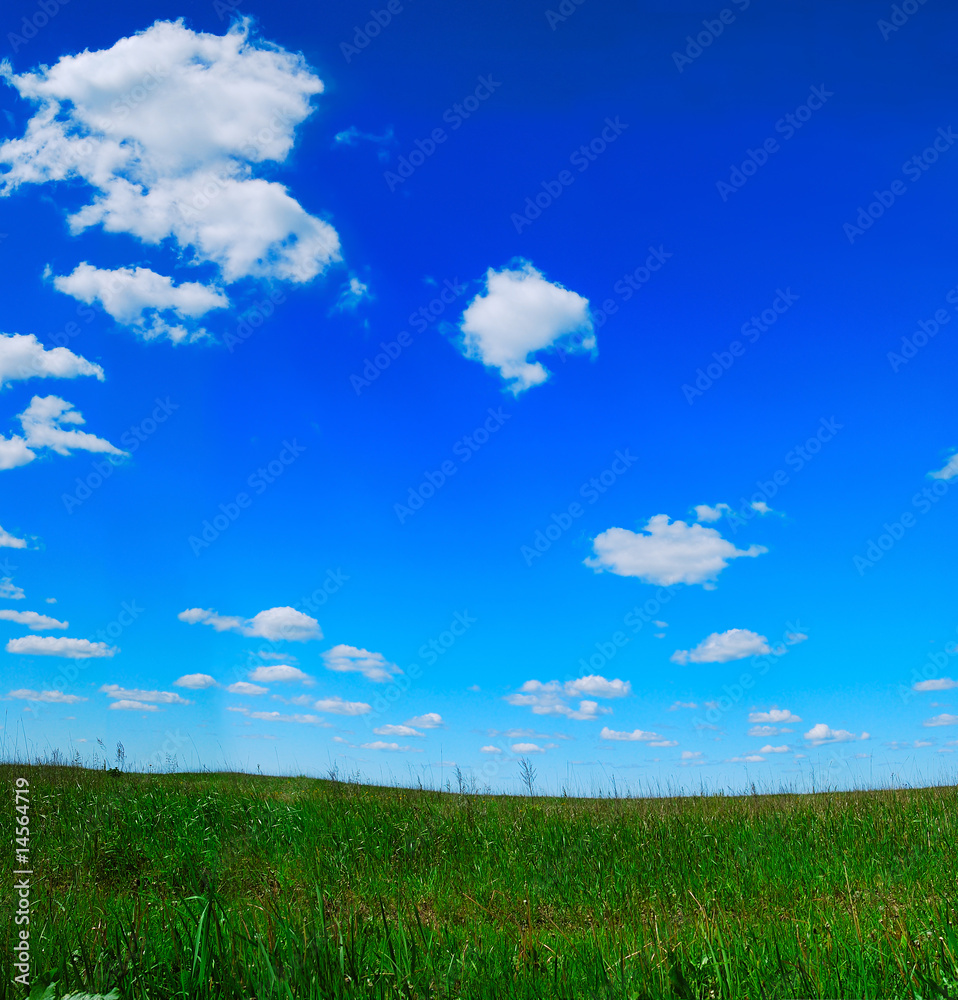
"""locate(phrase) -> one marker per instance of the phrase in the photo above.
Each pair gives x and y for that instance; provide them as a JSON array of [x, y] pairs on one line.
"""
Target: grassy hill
[[229, 885]]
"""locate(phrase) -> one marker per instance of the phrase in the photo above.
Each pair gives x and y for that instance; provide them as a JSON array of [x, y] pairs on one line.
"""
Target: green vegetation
[[221, 886]]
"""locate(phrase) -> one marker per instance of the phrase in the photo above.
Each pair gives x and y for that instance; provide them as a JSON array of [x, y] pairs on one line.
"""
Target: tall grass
[[236, 886]]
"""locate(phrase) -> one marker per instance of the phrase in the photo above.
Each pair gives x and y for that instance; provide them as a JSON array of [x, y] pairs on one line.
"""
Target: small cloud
[[351, 294], [526, 748], [396, 731], [280, 673], [777, 715], [942, 720], [196, 682], [691, 754], [768, 748], [703, 512], [636, 736], [51, 697], [349, 659], [283, 623], [135, 694], [126, 705], [676, 705], [821, 734], [753, 758], [352, 136], [735, 644], [33, 621], [430, 720], [72, 649], [244, 687], [337, 706], [948, 471], [9, 591], [393, 747], [936, 684]]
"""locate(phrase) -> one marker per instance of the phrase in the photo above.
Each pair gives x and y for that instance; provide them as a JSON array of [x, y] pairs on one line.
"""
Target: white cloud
[[526, 748], [942, 720], [9, 591], [753, 758], [274, 624], [636, 736], [304, 720], [395, 747], [8, 541], [135, 694], [489, 749], [396, 731], [349, 659], [763, 731], [52, 697], [735, 644], [352, 137], [126, 705], [33, 621], [337, 706], [948, 471], [598, 687], [166, 127], [351, 294], [704, 512], [775, 715], [768, 748], [665, 553], [691, 754], [820, 734], [196, 682], [42, 422], [676, 705], [244, 687], [550, 698], [280, 673], [935, 684], [519, 314], [73, 649], [147, 302], [761, 506], [429, 720], [22, 356]]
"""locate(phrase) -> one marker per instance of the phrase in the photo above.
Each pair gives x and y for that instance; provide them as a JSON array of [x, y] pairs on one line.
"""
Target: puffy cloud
[[489, 749], [135, 694], [721, 647], [691, 754], [935, 684], [430, 720], [52, 697], [942, 720], [550, 698], [9, 591], [676, 705], [280, 673], [33, 621], [148, 302], [526, 748], [244, 687], [348, 659], [352, 136], [73, 649], [636, 736], [598, 687], [704, 512], [22, 356], [43, 427], [394, 747], [127, 705], [336, 706], [396, 731], [274, 624], [665, 553], [774, 715], [519, 314], [196, 682], [820, 734], [948, 471], [8, 541], [763, 731], [768, 748], [303, 720], [752, 758], [166, 127], [350, 295]]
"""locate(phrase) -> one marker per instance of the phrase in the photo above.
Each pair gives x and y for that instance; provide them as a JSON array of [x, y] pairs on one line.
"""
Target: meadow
[[226, 885]]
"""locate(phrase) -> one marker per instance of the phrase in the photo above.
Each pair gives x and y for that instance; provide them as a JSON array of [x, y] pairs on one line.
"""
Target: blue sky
[[570, 382]]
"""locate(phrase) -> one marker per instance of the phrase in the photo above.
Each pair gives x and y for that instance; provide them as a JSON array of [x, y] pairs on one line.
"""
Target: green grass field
[[228, 885]]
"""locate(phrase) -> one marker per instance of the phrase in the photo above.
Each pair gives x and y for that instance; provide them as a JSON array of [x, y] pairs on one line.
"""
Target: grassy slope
[[209, 886]]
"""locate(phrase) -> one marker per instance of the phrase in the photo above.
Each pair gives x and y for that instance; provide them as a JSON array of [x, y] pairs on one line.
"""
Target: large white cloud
[[348, 659], [665, 553], [47, 645], [22, 356], [721, 647], [43, 427], [166, 127], [820, 734], [140, 298], [519, 314], [274, 623], [33, 620]]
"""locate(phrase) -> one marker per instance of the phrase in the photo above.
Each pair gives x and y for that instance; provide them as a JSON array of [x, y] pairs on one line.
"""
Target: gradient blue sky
[[741, 209]]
